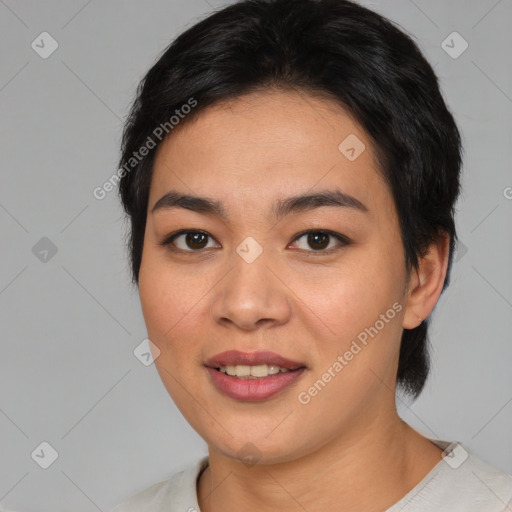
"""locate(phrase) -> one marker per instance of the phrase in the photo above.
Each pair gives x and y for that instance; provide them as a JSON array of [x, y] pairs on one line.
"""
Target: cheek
[[174, 301], [167, 300], [361, 306], [170, 294], [351, 297]]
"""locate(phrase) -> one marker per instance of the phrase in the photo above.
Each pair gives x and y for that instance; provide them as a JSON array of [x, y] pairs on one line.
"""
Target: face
[[318, 281]]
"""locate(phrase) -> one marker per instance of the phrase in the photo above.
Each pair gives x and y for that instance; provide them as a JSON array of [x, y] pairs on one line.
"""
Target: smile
[[259, 371]]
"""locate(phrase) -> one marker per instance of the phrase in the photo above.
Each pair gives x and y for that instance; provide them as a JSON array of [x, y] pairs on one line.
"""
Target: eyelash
[[344, 241]]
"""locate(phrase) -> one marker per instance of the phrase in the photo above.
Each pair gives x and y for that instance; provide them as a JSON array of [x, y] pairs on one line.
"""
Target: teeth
[[252, 372]]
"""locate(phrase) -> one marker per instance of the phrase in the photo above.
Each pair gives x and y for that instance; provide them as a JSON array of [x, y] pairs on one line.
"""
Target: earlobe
[[426, 282]]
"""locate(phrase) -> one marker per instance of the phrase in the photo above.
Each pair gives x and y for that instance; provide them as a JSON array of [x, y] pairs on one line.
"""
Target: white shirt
[[460, 482]]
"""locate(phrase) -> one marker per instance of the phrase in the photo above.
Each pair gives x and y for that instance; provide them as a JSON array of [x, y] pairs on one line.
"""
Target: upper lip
[[236, 357]]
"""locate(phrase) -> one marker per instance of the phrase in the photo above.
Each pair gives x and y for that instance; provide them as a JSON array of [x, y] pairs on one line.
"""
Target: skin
[[347, 449]]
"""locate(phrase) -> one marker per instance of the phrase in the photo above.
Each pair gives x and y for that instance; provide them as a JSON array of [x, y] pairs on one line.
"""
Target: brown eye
[[320, 241], [196, 240], [188, 241]]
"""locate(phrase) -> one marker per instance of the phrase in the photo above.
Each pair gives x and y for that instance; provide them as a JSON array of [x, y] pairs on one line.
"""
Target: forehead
[[267, 145]]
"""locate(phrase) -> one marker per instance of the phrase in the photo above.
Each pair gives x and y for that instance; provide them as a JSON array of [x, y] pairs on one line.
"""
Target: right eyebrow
[[198, 204]]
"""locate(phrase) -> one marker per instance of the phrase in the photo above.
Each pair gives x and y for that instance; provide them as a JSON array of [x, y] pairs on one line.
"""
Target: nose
[[251, 296]]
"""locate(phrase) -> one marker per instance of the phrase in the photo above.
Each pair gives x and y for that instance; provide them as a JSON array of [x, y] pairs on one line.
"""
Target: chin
[[257, 449]]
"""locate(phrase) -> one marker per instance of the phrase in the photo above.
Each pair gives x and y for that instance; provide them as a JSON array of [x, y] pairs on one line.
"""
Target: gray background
[[70, 324]]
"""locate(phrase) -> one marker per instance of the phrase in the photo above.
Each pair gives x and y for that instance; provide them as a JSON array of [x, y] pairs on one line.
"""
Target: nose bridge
[[250, 292]]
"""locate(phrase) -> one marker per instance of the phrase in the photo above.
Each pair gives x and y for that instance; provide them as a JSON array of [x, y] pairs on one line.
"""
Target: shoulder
[[461, 481], [176, 493], [490, 488]]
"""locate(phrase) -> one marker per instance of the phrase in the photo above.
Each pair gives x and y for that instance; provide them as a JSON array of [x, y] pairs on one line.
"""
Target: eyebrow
[[281, 208]]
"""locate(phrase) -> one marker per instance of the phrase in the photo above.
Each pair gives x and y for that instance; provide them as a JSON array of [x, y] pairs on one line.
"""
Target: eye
[[320, 241], [188, 241]]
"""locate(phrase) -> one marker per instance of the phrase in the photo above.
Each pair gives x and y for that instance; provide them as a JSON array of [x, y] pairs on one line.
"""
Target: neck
[[370, 468]]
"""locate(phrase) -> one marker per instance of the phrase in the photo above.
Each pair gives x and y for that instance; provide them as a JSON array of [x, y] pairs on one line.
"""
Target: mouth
[[252, 364], [253, 376], [259, 371]]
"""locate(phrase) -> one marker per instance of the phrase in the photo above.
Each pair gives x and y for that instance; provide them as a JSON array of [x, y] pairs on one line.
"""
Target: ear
[[426, 282]]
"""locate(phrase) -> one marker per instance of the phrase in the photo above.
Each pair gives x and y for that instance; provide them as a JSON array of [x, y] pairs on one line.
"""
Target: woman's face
[[252, 281]]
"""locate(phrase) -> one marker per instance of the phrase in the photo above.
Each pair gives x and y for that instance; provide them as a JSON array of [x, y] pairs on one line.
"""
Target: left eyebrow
[[307, 202], [281, 208]]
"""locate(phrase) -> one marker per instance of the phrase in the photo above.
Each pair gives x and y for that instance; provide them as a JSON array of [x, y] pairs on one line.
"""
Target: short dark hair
[[332, 48]]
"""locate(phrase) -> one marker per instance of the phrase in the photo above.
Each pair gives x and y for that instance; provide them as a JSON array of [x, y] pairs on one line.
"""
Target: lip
[[253, 390], [236, 357]]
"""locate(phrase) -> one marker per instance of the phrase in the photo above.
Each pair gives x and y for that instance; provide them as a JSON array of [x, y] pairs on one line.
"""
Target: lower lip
[[254, 390]]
